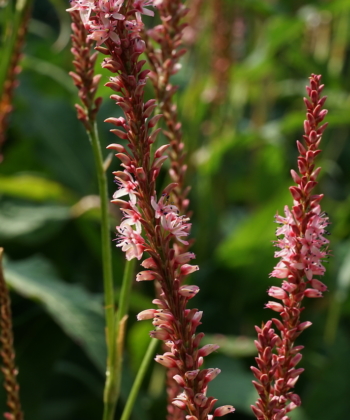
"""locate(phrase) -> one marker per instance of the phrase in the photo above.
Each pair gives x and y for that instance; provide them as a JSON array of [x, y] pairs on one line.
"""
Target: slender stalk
[[11, 33], [111, 389], [87, 84], [7, 352], [13, 37], [139, 378], [125, 290], [121, 318]]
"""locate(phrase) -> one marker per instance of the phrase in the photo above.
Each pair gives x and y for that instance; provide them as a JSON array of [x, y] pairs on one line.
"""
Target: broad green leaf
[[31, 223], [33, 187], [78, 312]]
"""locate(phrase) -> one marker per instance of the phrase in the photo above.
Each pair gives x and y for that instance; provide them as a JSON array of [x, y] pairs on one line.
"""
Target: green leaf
[[33, 187], [78, 312], [30, 223]]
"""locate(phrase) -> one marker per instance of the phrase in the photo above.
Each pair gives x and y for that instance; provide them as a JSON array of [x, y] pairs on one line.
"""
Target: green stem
[[115, 323], [121, 316], [139, 378], [109, 394]]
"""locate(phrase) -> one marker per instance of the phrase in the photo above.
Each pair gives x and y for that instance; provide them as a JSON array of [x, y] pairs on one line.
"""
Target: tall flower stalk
[[303, 248], [151, 224], [164, 62], [87, 84], [15, 29], [7, 352]]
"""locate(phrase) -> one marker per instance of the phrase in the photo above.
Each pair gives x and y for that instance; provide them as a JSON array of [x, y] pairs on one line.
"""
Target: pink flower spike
[[223, 410]]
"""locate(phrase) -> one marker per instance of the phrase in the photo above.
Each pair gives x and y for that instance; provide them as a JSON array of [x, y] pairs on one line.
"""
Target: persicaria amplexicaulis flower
[[151, 223], [303, 248]]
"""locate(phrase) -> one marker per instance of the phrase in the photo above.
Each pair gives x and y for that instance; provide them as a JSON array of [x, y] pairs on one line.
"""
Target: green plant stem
[[109, 394], [139, 378], [115, 323], [121, 317]]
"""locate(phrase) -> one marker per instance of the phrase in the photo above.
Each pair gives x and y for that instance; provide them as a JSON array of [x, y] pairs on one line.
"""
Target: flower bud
[[277, 293], [207, 349], [223, 410], [147, 314], [179, 380], [188, 291], [313, 293], [277, 307], [145, 275], [179, 404], [187, 269], [165, 361]]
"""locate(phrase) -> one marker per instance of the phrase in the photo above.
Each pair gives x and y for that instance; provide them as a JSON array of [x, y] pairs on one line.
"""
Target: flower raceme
[[151, 223], [302, 249]]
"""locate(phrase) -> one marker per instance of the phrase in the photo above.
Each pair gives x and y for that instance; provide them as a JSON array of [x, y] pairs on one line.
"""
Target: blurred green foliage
[[240, 102]]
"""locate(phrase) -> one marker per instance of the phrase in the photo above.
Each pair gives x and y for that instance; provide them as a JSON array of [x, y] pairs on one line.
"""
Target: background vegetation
[[240, 102]]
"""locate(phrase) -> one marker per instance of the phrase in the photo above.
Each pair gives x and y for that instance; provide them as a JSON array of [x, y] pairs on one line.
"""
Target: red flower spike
[[302, 250], [155, 226]]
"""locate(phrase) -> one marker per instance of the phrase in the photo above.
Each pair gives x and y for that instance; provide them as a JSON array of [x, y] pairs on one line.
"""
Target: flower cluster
[[303, 248], [101, 16], [83, 77], [11, 79], [164, 49], [150, 224], [164, 62]]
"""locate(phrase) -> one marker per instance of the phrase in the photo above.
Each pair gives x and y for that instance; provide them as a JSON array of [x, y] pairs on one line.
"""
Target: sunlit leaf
[[33, 187]]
